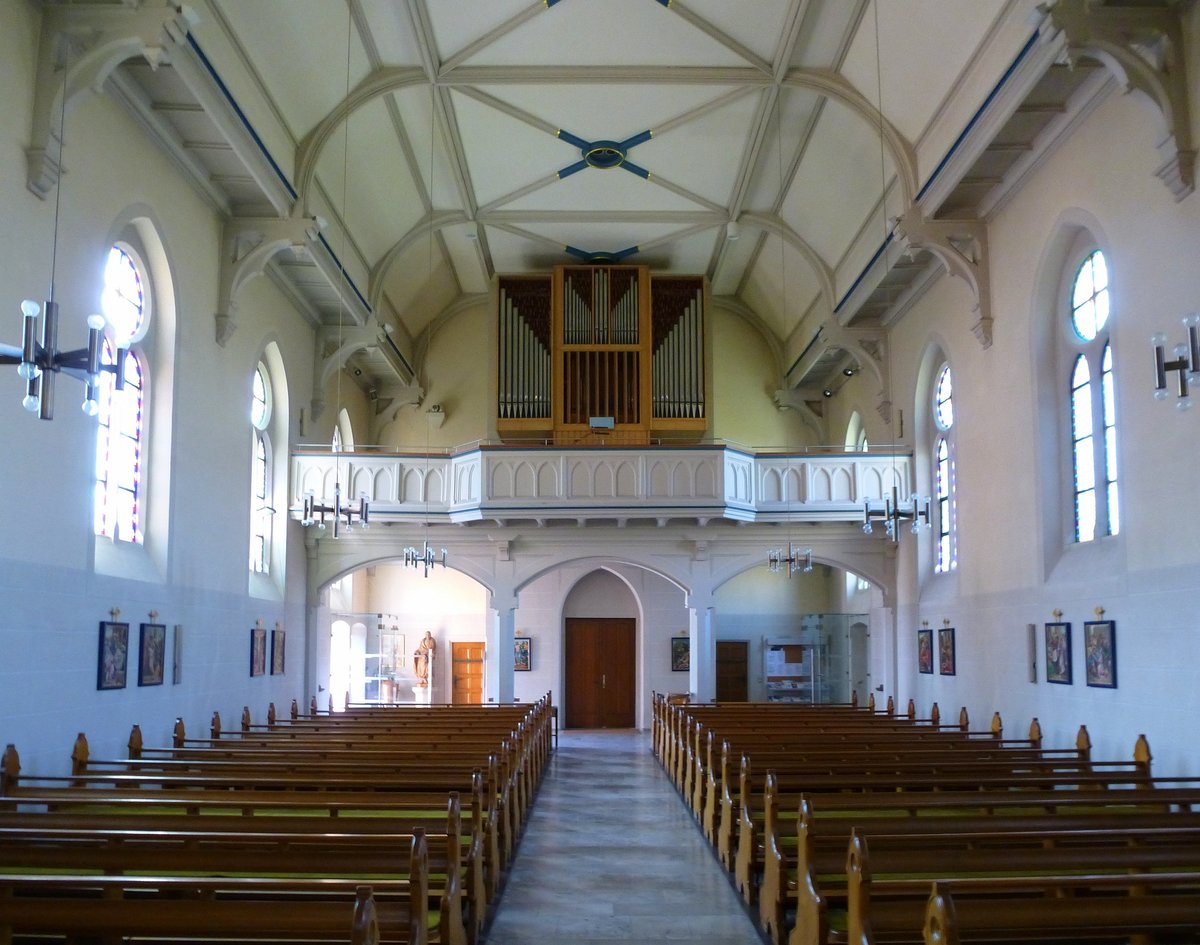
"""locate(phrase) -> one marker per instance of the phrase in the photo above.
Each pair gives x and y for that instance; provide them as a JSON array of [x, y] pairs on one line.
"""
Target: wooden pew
[[479, 822], [1102, 904], [230, 909], [269, 846], [869, 772], [840, 752], [961, 843], [722, 798], [816, 847], [1073, 908], [294, 768]]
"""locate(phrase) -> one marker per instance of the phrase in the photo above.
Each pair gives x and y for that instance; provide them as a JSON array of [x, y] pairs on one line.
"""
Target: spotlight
[[827, 392]]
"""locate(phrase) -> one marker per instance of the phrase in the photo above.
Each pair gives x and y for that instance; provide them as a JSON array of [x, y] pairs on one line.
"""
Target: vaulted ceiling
[[818, 160]]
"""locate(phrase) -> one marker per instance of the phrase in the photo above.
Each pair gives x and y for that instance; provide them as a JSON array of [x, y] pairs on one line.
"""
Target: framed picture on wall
[[152, 654], [946, 655], [258, 651], [1100, 653], [925, 650], [1058, 653], [681, 655], [522, 655], [278, 651], [113, 662]]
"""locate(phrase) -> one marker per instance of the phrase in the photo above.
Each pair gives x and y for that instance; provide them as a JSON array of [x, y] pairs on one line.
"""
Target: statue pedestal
[[423, 695]]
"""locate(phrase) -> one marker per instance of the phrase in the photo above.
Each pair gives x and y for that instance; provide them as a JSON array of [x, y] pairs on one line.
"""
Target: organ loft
[[602, 353]]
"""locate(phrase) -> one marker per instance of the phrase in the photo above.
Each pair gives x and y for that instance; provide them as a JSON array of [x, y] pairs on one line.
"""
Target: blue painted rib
[[224, 89], [807, 348], [636, 169], [1008, 73], [574, 139], [991, 96], [636, 139], [572, 169], [342, 271], [862, 275]]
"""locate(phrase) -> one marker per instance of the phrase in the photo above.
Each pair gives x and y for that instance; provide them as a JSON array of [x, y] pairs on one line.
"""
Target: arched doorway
[[600, 646]]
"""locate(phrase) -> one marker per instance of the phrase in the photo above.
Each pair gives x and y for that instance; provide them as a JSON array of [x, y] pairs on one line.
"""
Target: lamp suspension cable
[[891, 512], [315, 512], [426, 558], [39, 360], [789, 559]]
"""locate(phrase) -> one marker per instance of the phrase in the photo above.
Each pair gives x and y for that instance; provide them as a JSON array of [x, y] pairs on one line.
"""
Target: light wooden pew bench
[[481, 860], [885, 894], [722, 797], [956, 774], [227, 909], [1072, 908], [125, 777], [511, 772], [710, 780], [814, 844], [280, 848]]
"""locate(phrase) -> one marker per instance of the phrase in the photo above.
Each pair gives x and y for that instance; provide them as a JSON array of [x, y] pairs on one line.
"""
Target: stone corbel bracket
[[962, 247], [341, 344], [247, 246], [1143, 47], [792, 398], [80, 47]]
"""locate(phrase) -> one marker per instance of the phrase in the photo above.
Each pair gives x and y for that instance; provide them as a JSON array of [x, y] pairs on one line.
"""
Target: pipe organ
[[524, 350], [592, 352]]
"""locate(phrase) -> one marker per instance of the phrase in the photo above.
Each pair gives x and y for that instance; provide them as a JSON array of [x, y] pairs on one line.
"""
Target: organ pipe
[[678, 359], [524, 357], [577, 356]]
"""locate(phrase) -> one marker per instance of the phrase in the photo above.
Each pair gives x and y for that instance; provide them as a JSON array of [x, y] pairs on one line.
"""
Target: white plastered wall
[[53, 597], [1014, 568]]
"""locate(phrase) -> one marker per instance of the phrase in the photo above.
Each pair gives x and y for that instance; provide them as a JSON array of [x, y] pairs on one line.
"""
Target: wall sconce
[[1186, 362]]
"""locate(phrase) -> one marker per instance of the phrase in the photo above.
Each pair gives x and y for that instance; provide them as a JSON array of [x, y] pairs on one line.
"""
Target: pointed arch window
[[120, 447], [261, 505], [945, 552], [1093, 423]]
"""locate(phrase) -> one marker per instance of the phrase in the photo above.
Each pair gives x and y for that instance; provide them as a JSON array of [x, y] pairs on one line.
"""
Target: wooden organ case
[[595, 354]]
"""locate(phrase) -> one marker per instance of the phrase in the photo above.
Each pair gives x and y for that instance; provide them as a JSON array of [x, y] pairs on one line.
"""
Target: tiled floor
[[610, 854]]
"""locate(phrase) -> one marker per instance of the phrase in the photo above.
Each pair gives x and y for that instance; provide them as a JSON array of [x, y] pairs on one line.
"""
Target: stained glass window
[[1095, 490], [117, 508]]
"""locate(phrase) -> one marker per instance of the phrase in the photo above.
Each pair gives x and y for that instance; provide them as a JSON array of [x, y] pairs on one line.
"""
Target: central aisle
[[610, 854]]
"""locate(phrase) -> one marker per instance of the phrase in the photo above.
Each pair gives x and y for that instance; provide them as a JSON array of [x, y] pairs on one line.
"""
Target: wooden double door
[[600, 672]]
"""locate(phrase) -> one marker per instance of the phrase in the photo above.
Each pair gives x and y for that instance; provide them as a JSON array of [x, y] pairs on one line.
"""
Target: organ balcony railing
[[510, 484]]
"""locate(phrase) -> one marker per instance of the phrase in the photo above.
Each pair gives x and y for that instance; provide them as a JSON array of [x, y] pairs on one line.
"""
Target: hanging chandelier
[[425, 558], [39, 360], [892, 512], [789, 560], [342, 517]]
